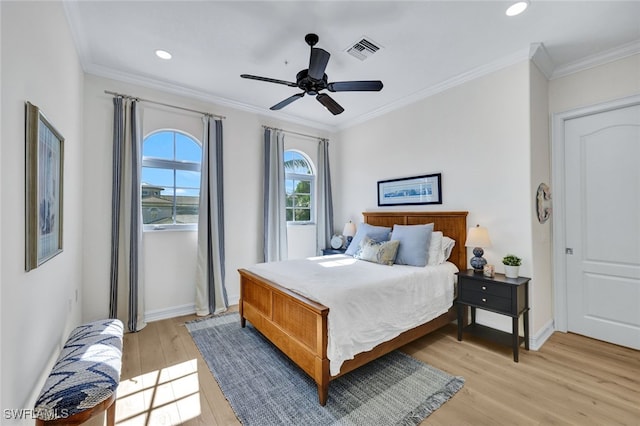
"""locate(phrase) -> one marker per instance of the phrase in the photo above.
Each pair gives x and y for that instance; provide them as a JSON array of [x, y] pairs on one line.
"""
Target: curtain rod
[[163, 104], [294, 133]]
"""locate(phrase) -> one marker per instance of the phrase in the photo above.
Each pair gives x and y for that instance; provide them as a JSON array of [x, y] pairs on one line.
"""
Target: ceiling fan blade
[[318, 63], [269, 80], [355, 86], [328, 102], [287, 101]]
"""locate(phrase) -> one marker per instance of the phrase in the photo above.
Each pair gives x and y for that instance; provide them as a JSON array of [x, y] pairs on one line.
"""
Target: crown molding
[[619, 52]]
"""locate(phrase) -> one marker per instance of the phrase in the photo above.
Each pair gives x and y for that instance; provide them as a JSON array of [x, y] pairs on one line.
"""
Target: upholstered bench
[[85, 377]]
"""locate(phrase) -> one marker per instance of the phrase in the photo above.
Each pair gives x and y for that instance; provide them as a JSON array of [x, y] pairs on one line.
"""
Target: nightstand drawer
[[485, 287], [485, 300]]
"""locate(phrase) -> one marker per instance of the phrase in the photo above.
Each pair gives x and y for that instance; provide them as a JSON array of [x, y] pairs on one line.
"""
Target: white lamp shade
[[349, 229], [478, 237]]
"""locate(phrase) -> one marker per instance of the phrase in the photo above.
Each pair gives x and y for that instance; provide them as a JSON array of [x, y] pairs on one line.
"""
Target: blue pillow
[[376, 233], [414, 243]]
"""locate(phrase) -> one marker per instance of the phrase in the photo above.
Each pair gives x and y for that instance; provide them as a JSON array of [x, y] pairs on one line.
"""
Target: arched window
[[170, 180], [299, 185]]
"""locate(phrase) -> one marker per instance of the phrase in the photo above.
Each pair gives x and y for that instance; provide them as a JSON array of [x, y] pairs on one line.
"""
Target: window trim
[[163, 163]]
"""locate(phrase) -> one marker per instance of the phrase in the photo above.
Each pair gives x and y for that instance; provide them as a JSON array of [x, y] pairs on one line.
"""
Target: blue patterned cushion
[[383, 252], [86, 373]]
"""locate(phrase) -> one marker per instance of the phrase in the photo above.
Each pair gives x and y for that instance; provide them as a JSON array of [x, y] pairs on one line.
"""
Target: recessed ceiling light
[[163, 54], [517, 8]]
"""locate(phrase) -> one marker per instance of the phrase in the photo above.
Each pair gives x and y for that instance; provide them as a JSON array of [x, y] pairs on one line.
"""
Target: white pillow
[[435, 249], [440, 248], [447, 248]]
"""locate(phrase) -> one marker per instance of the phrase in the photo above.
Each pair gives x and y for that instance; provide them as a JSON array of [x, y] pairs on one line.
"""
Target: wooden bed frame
[[298, 326]]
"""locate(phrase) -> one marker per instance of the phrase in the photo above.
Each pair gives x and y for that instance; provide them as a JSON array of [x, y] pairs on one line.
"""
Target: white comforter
[[368, 303]]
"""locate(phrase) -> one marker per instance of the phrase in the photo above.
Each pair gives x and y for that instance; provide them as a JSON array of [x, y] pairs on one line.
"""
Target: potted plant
[[511, 264]]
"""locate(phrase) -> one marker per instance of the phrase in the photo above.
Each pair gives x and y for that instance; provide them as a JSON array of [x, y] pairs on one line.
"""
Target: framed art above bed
[[415, 190]]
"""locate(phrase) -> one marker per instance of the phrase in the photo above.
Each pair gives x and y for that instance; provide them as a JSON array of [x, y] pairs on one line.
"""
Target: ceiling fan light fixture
[[517, 8], [163, 54]]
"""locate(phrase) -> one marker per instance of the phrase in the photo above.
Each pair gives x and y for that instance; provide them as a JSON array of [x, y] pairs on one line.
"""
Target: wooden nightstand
[[502, 295], [329, 251]]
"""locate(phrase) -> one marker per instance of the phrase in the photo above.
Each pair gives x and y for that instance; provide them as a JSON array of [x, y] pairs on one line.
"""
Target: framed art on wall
[[425, 189], [44, 158]]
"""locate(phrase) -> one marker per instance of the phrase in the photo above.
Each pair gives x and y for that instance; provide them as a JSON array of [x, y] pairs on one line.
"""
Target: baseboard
[[500, 322], [536, 342], [172, 312]]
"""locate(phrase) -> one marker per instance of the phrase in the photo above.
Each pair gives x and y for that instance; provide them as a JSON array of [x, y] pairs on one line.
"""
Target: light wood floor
[[571, 380]]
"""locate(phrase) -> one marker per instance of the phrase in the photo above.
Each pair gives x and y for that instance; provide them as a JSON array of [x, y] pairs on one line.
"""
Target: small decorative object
[[337, 241], [489, 271], [349, 231], [511, 265], [425, 189], [43, 188], [543, 202], [478, 238]]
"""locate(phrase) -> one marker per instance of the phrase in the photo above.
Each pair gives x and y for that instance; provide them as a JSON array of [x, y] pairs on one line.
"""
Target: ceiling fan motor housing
[[309, 84]]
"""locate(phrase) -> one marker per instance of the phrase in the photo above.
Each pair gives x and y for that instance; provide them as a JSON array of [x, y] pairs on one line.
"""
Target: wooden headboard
[[452, 224]]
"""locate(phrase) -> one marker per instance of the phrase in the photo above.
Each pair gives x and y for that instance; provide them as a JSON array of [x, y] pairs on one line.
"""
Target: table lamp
[[349, 231], [478, 238]]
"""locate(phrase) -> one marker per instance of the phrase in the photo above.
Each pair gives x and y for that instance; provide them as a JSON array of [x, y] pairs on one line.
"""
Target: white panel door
[[602, 178]]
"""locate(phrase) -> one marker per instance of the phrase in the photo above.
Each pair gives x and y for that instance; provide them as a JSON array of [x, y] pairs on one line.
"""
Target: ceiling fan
[[313, 80]]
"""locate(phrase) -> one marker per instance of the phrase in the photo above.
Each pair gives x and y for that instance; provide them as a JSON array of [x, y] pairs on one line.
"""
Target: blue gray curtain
[[127, 280], [275, 220], [211, 295], [324, 227]]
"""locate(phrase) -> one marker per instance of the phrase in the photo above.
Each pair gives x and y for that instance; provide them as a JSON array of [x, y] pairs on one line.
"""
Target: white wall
[[607, 82], [170, 290], [477, 135], [40, 65], [541, 291]]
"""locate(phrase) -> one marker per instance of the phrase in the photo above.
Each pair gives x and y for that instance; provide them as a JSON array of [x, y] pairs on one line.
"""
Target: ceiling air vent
[[363, 49]]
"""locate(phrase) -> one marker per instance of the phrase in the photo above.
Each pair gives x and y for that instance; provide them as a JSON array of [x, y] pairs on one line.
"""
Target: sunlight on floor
[[169, 396]]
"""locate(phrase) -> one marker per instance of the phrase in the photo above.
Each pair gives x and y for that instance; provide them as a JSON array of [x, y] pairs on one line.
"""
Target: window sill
[[169, 228]]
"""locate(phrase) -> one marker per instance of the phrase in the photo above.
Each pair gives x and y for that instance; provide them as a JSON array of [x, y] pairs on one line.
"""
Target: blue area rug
[[265, 388]]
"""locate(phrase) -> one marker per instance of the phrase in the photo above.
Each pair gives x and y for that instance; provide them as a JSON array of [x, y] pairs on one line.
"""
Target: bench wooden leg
[[108, 405], [111, 414]]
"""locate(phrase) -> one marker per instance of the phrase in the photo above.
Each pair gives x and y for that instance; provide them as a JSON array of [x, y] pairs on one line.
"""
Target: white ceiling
[[427, 46]]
